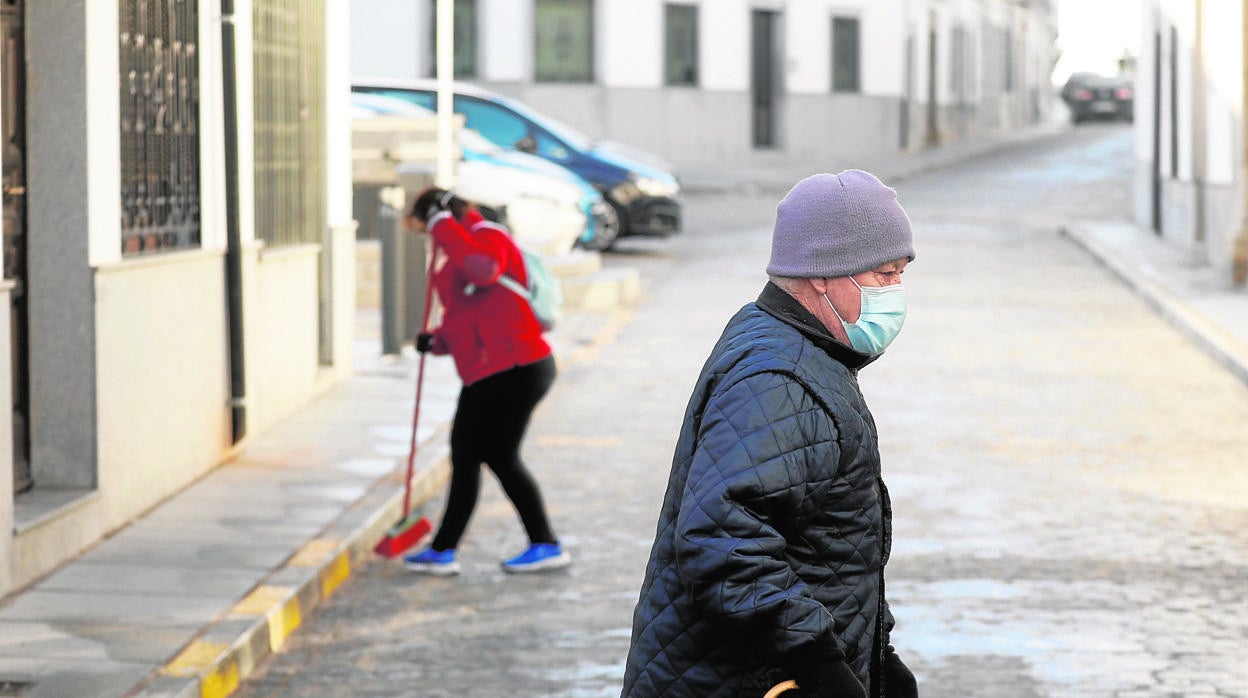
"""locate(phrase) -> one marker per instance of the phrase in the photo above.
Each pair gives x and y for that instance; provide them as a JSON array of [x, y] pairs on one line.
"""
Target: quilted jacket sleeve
[[765, 450]]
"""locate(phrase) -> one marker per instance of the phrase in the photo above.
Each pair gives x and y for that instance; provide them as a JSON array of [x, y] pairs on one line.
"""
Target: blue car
[[644, 195], [602, 224]]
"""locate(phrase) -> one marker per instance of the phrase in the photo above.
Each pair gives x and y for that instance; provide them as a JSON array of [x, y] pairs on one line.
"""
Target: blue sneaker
[[440, 563], [538, 557]]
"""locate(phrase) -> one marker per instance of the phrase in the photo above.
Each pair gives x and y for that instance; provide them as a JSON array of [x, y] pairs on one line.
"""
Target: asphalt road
[[1071, 511]]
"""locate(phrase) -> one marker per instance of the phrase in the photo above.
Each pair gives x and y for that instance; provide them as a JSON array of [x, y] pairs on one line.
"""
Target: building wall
[[162, 364], [6, 440], [1198, 198], [711, 122], [130, 383]]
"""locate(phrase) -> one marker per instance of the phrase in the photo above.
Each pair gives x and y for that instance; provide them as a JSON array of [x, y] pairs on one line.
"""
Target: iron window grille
[[564, 37], [289, 93], [465, 38], [159, 107], [846, 55], [682, 44]]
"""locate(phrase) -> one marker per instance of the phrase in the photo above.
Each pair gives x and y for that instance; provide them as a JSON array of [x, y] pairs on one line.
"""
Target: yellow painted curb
[[221, 681], [219, 668], [335, 573], [283, 621], [195, 659]]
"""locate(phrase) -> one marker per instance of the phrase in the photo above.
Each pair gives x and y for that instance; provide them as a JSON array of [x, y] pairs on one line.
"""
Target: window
[[682, 44], [159, 126], [1008, 63], [465, 36], [495, 124], [290, 120], [845, 55], [957, 64], [564, 32]]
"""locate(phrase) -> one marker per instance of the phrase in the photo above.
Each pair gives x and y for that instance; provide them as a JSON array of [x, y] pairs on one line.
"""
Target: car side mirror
[[528, 144]]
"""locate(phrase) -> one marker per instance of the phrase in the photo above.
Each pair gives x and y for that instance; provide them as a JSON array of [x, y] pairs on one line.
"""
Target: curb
[[227, 652], [1212, 339]]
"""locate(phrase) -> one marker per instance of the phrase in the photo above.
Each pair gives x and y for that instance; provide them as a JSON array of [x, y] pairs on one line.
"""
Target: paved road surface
[[1068, 472]]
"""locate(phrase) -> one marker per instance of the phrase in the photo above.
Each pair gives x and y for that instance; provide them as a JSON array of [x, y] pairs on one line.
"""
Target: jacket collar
[[785, 308]]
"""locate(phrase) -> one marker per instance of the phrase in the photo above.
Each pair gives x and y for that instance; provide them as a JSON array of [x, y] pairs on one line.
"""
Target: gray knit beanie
[[843, 224]]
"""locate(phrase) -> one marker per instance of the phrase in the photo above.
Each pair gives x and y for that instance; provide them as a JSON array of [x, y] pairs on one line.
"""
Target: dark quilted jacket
[[775, 526]]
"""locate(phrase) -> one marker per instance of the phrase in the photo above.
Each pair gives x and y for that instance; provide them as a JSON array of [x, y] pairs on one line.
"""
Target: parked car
[[545, 206], [1076, 80], [642, 190], [1100, 97]]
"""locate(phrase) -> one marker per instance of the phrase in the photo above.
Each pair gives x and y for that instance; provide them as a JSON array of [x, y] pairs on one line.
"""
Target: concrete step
[[602, 290], [573, 263]]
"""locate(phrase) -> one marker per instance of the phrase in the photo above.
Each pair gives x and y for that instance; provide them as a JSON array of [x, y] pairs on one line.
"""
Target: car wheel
[[606, 230]]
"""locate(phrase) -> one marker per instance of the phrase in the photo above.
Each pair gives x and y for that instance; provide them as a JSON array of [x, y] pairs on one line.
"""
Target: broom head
[[403, 535]]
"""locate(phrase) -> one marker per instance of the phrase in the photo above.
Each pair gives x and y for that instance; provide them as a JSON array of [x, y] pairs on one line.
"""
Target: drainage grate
[[14, 689]]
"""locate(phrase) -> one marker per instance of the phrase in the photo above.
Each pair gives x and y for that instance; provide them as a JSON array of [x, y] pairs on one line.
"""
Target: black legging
[[490, 421]]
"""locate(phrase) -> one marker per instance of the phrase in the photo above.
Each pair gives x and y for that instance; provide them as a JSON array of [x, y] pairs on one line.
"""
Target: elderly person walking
[[768, 563]]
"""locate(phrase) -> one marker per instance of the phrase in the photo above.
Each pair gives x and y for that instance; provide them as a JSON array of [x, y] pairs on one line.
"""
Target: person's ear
[[819, 283]]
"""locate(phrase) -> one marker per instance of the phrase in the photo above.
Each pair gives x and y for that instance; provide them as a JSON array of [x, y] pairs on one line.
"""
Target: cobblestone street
[[1069, 473]]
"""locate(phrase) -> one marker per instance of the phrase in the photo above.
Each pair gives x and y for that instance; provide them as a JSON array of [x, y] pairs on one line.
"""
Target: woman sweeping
[[506, 368]]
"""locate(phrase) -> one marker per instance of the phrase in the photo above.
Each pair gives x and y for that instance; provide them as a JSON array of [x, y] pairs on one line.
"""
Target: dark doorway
[[932, 136], [14, 159], [1156, 181], [907, 96], [765, 83]]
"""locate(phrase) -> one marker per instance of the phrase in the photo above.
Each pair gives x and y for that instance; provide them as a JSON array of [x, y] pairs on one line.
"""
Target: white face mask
[[883, 312]]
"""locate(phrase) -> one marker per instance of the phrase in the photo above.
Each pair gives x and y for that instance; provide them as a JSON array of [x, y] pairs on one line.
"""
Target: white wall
[[623, 56], [723, 62], [505, 40], [388, 37], [1224, 85], [160, 425]]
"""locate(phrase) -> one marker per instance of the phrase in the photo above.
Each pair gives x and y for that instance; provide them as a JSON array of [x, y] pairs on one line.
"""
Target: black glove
[[899, 682], [424, 342], [828, 679]]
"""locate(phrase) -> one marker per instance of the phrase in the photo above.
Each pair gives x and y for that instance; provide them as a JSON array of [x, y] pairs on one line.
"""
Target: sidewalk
[[186, 601]]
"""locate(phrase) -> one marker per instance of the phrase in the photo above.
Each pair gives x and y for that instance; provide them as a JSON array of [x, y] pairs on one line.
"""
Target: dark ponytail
[[434, 199]]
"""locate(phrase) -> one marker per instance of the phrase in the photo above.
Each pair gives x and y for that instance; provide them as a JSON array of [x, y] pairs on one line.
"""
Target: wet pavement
[[1069, 468]]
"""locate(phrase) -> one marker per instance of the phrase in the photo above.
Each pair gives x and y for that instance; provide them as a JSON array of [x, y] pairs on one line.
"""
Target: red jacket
[[485, 327]]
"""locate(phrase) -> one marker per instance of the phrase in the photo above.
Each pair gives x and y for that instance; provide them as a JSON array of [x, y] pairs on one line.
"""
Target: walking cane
[[782, 687]]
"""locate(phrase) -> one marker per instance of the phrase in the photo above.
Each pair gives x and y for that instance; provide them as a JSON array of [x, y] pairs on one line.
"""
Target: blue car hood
[[643, 164]]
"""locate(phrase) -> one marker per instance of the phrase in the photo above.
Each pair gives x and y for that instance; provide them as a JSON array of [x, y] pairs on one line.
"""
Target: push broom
[[412, 526]]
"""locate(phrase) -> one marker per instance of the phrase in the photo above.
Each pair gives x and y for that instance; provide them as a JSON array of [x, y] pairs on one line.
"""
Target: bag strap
[[514, 286]]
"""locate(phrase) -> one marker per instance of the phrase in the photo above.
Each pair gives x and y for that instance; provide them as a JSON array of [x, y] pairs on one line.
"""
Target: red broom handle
[[420, 382]]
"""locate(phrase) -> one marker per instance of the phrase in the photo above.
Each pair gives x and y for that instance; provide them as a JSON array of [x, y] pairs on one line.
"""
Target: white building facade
[[1189, 115], [179, 266], [730, 81]]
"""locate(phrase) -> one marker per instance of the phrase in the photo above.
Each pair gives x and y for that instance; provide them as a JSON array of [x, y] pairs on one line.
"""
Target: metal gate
[[289, 92], [14, 159]]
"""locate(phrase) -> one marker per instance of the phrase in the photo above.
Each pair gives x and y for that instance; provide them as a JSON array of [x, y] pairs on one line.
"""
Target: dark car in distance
[[643, 192], [1099, 97]]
